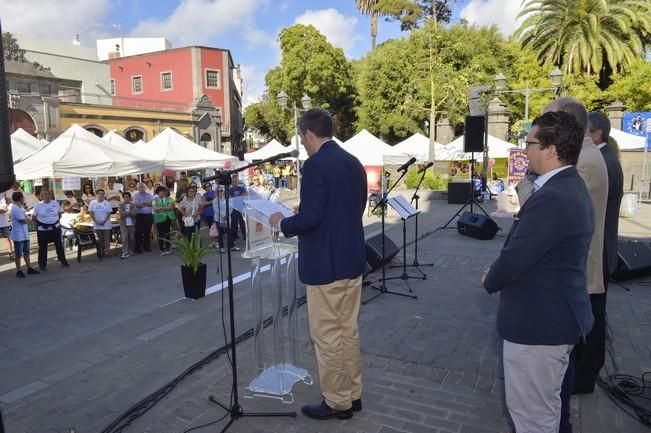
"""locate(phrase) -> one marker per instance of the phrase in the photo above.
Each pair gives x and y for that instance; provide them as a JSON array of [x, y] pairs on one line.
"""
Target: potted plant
[[193, 271]]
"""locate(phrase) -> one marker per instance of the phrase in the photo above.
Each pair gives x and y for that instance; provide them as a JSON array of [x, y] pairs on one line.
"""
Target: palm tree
[[590, 36], [369, 7]]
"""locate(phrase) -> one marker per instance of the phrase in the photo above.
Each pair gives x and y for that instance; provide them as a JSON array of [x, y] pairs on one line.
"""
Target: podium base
[[277, 382]]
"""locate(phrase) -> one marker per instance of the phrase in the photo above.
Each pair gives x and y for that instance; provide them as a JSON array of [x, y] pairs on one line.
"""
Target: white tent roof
[[78, 152], [116, 139], [627, 141], [454, 151], [416, 146], [267, 151], [139, 142], [23, 144], [369, 149], [171, 150]]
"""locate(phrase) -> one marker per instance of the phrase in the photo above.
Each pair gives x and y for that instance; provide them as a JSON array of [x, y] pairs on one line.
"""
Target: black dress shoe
[[357, 405], [323, 411]]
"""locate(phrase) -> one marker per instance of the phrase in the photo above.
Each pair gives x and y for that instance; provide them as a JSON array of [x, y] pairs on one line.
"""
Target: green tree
[[12, 49], [311, 66], [633, 88], [590, 36], [413, 16]]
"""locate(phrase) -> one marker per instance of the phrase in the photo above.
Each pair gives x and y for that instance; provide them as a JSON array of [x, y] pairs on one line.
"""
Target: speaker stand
[[472, 201]]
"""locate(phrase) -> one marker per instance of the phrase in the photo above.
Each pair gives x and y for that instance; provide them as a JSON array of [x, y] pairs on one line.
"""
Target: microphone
[[406, 165], [291, 154], [425, 167]]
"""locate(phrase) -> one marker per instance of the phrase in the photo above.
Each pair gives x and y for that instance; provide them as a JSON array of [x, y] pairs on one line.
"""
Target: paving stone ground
[[80, 346]]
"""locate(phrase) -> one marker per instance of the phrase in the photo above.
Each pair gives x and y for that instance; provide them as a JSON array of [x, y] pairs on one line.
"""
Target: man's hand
[[275, 218]]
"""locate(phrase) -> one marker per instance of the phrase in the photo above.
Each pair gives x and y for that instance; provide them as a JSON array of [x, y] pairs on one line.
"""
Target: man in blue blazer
[[541, 274], [332, 259]]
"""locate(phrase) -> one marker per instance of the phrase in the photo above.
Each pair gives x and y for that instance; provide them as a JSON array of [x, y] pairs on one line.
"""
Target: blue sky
[[248, 28]]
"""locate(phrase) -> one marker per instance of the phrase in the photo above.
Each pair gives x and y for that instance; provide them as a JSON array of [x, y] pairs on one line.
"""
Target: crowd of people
[[133, 214]]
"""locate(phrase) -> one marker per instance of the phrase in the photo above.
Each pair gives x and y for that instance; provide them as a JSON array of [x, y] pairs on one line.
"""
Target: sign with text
[[518, 163]]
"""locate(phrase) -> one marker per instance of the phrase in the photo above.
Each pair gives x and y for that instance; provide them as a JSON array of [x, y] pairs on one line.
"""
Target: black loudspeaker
[[459, 192], [473, 138], [477, 226], [633, 260], [374, 251]]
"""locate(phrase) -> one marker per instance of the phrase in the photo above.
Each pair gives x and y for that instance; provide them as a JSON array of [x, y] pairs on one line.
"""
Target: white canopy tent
[[78, 152], [171, 150], [416, 146], [627, 141], [454, 151], [270, 149], [116, 139], [369, 149], [23, 144]]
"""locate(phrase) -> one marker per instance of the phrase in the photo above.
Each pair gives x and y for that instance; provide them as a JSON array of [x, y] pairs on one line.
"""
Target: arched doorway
[[20, 119], [206, 140], [134, 134], [96, 131]]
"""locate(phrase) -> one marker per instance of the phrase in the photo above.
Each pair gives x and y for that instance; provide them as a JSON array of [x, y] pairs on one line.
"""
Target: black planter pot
[[194, 285]]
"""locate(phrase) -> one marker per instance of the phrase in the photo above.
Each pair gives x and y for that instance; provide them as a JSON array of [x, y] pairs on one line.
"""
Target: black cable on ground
[[140, 408], [629, 393]]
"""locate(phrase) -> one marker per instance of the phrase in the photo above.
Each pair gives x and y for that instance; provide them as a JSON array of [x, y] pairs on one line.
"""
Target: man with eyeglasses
[[541, 276]]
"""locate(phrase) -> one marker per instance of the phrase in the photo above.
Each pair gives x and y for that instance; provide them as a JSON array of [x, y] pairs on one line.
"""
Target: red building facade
[[185, 79]]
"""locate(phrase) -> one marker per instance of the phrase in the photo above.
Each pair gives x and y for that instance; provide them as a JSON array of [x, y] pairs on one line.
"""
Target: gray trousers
[[533, 376]]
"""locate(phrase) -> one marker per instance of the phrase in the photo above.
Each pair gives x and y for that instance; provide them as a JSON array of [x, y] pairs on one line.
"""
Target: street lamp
[[306, 103], [556, 77]]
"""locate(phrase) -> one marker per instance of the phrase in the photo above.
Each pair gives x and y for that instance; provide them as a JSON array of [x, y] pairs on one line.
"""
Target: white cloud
[[259, 38], [254, 85], [198, 21], [502, 13], [54, 20], [336, 27]]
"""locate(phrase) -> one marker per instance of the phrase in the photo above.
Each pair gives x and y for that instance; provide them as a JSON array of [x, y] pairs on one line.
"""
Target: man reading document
[[331, 262]]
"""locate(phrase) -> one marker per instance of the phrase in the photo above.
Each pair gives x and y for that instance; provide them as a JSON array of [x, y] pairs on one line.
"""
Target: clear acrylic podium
[[277, 365]]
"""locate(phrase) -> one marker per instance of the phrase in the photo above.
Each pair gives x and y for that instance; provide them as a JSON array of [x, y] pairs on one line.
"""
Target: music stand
[[406, 211], [415, 198], [382, 289]]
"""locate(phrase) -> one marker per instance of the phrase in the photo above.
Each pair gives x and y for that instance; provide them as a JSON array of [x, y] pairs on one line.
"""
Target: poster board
[[518, 164]]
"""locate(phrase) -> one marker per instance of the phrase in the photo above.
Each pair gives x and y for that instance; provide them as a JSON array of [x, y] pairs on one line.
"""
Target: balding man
[[594, 355]]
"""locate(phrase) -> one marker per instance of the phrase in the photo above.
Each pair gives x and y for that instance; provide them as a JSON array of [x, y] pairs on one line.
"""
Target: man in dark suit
[[594, 352], [331, 262], [541, 274]]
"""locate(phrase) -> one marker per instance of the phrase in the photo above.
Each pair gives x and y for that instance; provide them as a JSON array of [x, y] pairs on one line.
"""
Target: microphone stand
[[235, 410], [415, 198], [382, 289]]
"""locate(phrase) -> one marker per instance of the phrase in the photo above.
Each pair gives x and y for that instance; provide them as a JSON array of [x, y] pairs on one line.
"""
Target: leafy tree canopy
[[311, 66]]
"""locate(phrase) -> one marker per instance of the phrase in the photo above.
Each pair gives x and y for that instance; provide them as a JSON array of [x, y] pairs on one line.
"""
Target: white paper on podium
[[402, 206], [267, 208]]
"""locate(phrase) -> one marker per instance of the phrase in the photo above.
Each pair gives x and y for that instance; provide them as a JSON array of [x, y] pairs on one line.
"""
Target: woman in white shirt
[[87, 194], [20, 233], [190, 207], [100, 212]]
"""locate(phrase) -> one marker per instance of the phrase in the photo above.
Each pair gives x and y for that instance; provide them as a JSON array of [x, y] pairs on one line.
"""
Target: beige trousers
[[333, 309], [128, 235], [533, 376]]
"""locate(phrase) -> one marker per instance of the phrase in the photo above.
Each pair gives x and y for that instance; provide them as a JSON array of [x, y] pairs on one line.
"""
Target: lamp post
[[556, 77], [306, 104]]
